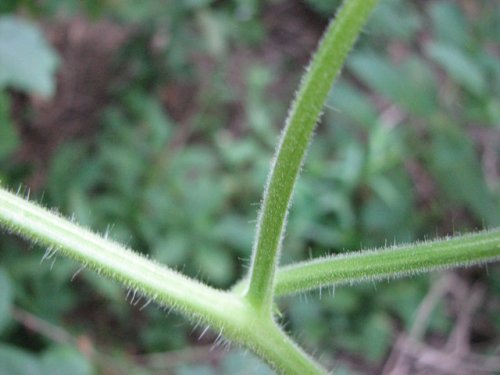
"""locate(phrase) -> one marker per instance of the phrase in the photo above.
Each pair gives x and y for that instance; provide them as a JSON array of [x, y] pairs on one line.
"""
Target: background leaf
[[6, 298], [459, 66], [22, 44], [14, 361], [61, 360]]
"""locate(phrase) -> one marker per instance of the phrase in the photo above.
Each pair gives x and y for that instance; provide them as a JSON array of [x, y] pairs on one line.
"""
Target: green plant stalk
[[304, 113], [283, 354], [246, 318], [236, 317], [109, 258], [226, 312], [395, 262]]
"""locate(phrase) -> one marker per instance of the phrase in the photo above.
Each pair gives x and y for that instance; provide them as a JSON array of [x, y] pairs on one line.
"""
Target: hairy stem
[[275, 344], [152, 280], [395, 262], [304, 113], [226, 312]]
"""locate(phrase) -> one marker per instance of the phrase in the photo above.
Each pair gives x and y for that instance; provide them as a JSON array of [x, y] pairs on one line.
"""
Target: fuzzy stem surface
[[151, 280], [225, 312], [395, 262], [303, 116]]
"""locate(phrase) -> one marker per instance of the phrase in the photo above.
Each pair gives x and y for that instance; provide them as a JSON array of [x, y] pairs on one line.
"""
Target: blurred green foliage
[[59, 360], [397, 158], [20, 45]]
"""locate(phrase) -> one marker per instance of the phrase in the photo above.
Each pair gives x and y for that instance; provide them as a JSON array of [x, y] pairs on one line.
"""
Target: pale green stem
[[111, 259], [305, 111], [226, 312], [273, 344], [400, 261]]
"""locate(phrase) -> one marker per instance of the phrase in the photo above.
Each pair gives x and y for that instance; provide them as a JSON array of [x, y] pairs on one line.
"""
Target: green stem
[[274, 344], [154, 281], [225, 312], [305, 111], [400, 261]]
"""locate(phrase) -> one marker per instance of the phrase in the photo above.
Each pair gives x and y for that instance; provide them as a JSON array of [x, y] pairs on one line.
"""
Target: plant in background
[[246, 314]]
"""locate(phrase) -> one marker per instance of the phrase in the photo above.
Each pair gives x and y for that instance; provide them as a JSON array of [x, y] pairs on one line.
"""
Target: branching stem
[[224, 312], [244, 315]]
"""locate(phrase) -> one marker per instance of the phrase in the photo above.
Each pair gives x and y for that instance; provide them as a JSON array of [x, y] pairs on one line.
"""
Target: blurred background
[[154, 122]]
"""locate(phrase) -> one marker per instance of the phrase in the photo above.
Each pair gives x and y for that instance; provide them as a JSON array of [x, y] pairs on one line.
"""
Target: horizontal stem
[[226, 312], [395, 262], [109, 258]]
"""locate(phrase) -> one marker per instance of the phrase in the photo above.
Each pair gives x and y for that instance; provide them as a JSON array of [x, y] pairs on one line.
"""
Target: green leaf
[[403, 297], [173, 249], [5, 298], [27, 61], [459, 66], [449, 24], [388, 211], [215, 264], [195, 370], [395, 19], [409, 84], [9, 140], [376, 336], [236, 232], [243, 363], [352, 104], [455, 165], [63, 360], [14, 361], [323, 7]]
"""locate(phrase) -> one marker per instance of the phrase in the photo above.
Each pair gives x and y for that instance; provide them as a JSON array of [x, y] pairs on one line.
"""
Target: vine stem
[[109, 258], [303, 116], [226, 312], [243, 318], [398, 261]]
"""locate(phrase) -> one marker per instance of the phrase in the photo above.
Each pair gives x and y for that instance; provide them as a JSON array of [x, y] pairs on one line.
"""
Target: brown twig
[[410, 353]]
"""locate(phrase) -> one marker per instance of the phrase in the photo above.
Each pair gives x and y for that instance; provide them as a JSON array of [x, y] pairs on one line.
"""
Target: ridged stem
[[395, 262], [304, 113], [225, 312], [151, 280]]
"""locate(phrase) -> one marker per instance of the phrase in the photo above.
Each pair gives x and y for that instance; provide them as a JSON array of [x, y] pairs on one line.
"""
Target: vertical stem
[[304, 113]]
